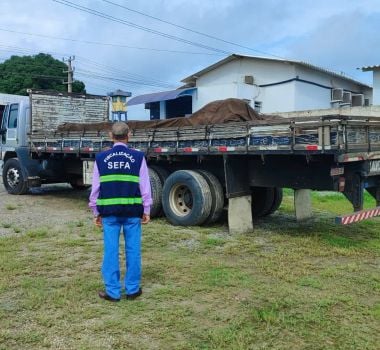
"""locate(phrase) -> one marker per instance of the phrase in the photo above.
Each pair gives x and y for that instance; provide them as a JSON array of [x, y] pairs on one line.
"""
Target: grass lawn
[[286, 285]]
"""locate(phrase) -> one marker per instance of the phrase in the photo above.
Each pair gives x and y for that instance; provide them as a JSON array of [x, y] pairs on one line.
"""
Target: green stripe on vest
[[116, 177], [119, 201]]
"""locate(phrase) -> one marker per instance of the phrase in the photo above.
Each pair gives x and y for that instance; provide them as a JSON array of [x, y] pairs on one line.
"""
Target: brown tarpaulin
[[216, 112]]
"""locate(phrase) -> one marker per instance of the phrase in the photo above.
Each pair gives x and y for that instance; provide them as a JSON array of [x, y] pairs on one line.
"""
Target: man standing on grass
[[121, 198]]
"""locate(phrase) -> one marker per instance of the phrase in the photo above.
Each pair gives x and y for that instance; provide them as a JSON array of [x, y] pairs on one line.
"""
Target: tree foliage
[[42, 71]]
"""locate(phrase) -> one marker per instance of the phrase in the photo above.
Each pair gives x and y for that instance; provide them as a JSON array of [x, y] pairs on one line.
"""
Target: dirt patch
[[51, 206]]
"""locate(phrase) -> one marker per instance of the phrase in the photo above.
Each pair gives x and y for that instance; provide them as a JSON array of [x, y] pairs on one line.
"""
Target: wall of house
[[228, 81], [370, 111], [277, 98], [316, 97], [310, 96]]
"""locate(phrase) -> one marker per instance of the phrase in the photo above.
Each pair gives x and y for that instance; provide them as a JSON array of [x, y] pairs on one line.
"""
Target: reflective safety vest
[[119, 170]]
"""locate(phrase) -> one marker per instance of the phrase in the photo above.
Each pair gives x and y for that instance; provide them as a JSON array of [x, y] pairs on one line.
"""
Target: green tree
[[42, 71]]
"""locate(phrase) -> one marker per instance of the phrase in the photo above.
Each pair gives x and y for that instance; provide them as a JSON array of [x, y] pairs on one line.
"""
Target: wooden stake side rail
[[338, 135]]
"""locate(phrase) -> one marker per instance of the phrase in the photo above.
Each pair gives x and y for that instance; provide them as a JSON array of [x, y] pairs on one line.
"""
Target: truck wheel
[[217, 196], [156, 187], [162, 173], [13, 178], [277, 200], [262, 201], [186, 198], [162, 176]]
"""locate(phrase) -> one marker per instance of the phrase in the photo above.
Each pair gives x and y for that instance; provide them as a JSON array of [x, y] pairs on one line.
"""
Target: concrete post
[[240, 215], [302, 204]]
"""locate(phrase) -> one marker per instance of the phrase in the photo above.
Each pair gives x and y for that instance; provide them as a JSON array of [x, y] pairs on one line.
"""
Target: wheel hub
[[181, 200], [13, 177]]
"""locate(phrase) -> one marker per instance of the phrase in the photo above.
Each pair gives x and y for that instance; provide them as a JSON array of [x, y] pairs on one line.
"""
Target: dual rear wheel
[[196, 197], [187, 197], [265, 200]]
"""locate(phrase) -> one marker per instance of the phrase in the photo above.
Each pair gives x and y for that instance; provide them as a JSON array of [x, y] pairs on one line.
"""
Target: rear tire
[[277, 200], [156, 187], [262, 201], [186, 198], [163, 174], [13, 177], [217, 196]]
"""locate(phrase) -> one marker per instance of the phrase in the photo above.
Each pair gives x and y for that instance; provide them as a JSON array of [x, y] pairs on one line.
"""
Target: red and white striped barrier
[[358, 216]]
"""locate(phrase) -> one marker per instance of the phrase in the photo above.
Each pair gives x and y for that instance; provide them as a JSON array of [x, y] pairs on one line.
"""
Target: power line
[[107, 87], [22, 50], [134, 25], [138, 79], [106, 44], [111, 69], [104, 77], [189, 29]]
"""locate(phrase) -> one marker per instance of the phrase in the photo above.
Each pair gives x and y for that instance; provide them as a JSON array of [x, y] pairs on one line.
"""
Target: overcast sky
[[148, 46]]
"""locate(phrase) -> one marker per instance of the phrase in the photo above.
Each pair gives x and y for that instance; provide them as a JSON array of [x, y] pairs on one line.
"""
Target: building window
[[257, 107]]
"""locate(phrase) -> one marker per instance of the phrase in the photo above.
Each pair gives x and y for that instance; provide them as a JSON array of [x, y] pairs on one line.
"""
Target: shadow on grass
[[61, 190]]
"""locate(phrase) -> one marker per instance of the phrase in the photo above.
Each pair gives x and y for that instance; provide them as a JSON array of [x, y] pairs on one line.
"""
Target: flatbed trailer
[[256, 159], [197, 171]]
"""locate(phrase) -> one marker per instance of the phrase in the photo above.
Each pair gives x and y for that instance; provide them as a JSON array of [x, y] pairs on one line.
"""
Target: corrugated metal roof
[[370, 68], [193, 77], [159, 96]]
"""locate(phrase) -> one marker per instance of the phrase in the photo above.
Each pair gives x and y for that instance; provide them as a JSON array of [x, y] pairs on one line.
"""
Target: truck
[[197, 171], [30, 123]]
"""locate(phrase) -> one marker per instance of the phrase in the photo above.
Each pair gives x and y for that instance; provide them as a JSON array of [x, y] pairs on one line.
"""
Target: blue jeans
[[110, 269]]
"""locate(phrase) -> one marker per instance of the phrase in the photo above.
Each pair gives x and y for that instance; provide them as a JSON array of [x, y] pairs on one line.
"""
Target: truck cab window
[[2, 108], [12, 120], [3, 124]]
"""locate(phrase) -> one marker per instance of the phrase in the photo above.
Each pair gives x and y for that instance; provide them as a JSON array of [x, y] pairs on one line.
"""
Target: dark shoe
[[105, 296], [134, 295]]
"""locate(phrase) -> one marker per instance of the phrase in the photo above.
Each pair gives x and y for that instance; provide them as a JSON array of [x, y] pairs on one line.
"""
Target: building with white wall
[[269, 85], [376, 82]]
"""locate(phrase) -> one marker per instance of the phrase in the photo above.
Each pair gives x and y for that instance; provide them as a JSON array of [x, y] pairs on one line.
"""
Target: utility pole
[[70, 74]]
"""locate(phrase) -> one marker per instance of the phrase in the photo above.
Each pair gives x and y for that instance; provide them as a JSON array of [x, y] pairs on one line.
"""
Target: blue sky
[[339, 35]]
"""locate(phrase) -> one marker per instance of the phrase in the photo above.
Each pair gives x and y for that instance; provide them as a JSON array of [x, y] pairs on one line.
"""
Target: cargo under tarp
[[216, 112]]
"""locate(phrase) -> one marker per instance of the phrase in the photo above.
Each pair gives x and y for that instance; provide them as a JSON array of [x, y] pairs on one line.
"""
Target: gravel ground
[[50, 206]]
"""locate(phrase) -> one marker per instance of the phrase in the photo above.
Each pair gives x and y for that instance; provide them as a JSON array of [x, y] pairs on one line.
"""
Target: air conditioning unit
[[248, 79], [357, 100], [337, 95], [347, 97]]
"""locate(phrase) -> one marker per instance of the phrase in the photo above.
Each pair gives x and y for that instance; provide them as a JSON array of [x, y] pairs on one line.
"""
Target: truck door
[[3, 130], [11, 125], [9, 128]]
